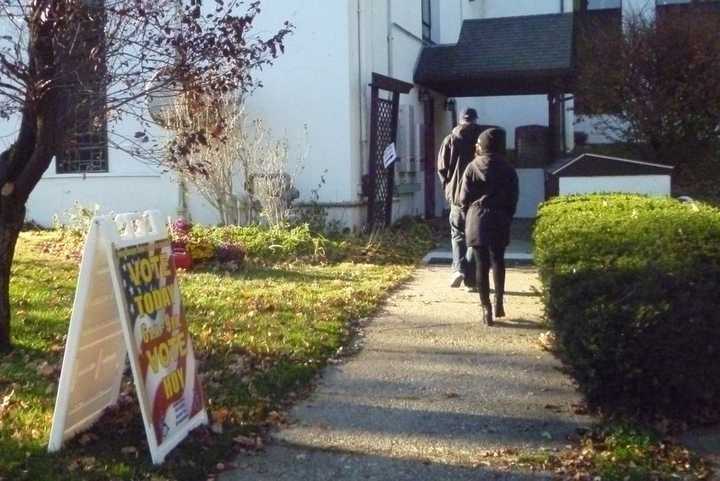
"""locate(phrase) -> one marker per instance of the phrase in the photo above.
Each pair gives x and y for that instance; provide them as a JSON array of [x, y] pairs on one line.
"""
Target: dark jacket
[[489, 195], [456, 152]]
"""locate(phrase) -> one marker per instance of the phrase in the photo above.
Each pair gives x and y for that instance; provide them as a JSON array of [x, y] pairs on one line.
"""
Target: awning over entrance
[[503, 56]]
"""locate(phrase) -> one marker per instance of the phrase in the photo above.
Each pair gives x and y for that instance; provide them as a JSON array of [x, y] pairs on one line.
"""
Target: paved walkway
[[430, 395]]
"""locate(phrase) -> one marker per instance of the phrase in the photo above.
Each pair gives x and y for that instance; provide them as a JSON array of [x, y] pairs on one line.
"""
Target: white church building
[[333, 87]]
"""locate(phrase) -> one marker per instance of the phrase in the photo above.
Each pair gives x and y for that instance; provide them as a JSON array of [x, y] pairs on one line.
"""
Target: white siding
[[505, 8], [55, 195], [532, 192], [310, 87], [632, 184], [129, 185]]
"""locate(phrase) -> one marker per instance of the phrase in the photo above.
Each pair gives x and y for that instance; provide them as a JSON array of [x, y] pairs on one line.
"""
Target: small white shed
[[593, 173]]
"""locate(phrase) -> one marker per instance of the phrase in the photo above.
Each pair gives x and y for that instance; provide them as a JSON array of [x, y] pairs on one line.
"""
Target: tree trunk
[[12, 216]]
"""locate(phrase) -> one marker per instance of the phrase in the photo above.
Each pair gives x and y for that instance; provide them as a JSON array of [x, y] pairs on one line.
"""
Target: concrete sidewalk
[[519, 252], [430, 395]]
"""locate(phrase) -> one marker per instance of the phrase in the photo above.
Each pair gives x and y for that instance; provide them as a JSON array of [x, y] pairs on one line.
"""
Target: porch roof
[[503, 56]]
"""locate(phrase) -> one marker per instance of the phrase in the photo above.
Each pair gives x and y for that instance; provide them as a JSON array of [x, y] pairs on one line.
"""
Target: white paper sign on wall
[[128, 302], [390, 155]]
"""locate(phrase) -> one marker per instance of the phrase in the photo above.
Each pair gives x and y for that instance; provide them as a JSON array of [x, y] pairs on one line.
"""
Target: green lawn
[[261, 335]]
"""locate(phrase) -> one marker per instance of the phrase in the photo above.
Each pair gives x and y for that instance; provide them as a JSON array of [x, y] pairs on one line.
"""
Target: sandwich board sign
[[128, 304]]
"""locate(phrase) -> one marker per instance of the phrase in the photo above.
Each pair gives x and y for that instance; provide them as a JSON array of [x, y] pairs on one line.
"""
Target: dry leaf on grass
[[87, 438], [5, 403], [547, 341], [46, 369]]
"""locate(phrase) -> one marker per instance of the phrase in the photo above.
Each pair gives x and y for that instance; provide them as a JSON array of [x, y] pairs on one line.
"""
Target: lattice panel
[[382, 188]]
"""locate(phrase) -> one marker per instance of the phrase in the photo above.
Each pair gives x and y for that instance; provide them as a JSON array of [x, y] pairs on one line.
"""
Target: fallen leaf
[[46, 369], [87, 438], [129, 450], [220, 415], [244, 441], [547, 341], [5, 403]]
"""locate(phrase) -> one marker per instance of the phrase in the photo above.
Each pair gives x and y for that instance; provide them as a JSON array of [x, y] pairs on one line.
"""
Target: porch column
[[555, 124]]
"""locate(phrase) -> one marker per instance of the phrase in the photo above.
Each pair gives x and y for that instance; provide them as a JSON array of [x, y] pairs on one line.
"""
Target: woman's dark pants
[[485, 258]]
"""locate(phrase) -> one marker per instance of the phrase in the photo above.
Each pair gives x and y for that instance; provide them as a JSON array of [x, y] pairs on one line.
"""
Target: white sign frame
[[109, 234]]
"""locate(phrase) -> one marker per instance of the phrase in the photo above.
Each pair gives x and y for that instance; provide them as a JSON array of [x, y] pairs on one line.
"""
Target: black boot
[[487, 315], [499, 308]]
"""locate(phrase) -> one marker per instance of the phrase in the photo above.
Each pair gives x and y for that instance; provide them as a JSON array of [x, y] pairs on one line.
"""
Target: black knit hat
[[492, 141], [470, 114]]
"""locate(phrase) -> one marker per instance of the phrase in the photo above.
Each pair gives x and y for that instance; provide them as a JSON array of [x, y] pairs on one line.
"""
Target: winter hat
[[470, 114], [492, 141]]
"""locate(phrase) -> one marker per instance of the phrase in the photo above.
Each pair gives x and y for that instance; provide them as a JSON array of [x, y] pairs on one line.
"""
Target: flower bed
[[232, 244]]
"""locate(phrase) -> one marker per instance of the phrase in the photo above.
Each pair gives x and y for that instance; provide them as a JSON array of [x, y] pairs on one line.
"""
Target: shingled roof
[[502, 56]]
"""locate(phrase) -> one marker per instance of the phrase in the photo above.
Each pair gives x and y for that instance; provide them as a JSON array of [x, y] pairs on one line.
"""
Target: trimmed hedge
[[632, 292]]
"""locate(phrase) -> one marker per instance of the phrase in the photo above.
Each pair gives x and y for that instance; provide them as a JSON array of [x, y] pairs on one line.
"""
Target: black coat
[[489, 195], [456, 152]]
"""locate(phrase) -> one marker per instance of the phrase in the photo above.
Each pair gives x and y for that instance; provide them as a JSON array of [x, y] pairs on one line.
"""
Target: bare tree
[[214, 166], [235, 151], [270, 174], [102, 59], [656, 82]]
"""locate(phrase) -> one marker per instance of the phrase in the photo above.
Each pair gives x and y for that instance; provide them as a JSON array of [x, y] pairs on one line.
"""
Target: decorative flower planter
[[183, 260]]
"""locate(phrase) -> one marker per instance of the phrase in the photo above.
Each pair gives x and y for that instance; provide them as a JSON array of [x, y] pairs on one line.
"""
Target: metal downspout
[[361, 96], [563, 116], [390, 38]]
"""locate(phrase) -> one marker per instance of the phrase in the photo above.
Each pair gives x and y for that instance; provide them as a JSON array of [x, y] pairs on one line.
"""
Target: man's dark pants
[[459, 246]]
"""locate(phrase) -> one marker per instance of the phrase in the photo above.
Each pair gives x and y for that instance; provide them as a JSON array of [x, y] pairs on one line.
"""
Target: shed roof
[[595, 165], [502, 56]]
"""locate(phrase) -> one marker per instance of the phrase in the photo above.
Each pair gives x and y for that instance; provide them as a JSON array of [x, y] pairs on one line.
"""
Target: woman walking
[[489, 196]]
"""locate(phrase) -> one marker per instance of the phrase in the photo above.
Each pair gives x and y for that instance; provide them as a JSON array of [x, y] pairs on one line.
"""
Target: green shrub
[[261, 243], [631, 291], [400, 244]]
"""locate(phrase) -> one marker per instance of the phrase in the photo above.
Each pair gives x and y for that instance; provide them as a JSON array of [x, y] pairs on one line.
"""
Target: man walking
[[456, 152]]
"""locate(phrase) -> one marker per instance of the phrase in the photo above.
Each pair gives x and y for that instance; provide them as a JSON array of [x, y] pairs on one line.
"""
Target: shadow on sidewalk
[[510, 323], [297, 462]]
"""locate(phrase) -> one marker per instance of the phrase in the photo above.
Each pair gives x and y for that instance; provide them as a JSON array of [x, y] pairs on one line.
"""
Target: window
[[586, 5], [426, 20], [661, 3], [86, 145], [604, 4]]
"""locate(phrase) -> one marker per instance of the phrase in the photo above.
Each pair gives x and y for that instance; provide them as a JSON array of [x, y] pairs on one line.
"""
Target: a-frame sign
[[128, 304]]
